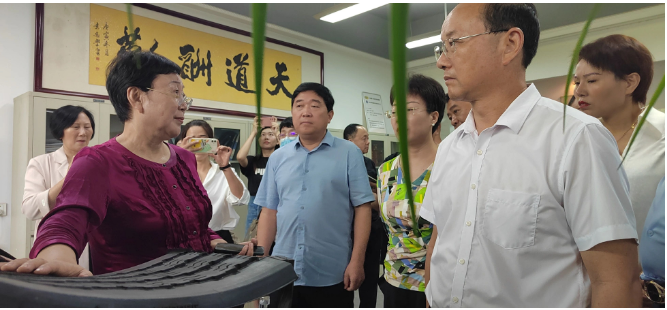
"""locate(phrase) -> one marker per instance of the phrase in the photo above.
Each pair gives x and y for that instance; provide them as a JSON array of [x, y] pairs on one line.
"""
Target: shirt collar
[[655, 119], [328, 140], [60, 156], [515, 115]]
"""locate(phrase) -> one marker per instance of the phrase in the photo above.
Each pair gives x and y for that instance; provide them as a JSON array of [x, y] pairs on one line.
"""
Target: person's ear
[[136, 97], [631, 82], [512, 45]]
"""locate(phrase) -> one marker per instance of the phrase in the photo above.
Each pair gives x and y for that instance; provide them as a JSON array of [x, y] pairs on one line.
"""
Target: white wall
[[347, 72], [555, 48], [17, 32]]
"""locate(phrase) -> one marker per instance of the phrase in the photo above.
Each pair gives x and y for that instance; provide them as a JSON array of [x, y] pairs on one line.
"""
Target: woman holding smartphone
[[253, 166], [223, 185]]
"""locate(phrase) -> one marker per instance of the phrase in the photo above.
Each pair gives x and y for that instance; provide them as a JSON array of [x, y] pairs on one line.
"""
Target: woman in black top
[[253, 166]]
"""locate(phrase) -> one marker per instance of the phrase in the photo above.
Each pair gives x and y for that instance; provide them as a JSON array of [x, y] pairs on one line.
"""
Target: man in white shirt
[[527, 213]]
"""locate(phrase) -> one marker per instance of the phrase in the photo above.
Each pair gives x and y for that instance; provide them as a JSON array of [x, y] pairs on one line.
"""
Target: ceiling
[[369, 32]]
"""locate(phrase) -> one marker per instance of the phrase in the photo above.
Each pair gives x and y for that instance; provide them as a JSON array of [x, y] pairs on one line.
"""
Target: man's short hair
[[621, 55], [286, 123], [430, 91], [137, 69], [319, 89], [350, 131], [499, 16]]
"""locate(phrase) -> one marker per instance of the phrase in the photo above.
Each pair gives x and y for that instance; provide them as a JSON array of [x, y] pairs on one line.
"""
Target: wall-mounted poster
[[76, 41], [213, 67]]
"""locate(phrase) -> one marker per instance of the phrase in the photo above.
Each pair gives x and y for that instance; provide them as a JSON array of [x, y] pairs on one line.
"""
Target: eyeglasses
[[449, 47], [291, 134], [181, 101], [392, 114]]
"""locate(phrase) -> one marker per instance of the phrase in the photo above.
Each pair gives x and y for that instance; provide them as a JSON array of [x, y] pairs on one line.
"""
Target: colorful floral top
[[406, 253]]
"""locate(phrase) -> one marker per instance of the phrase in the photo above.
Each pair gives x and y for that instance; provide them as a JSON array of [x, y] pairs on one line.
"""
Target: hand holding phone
[[266, 121], [205, 145]]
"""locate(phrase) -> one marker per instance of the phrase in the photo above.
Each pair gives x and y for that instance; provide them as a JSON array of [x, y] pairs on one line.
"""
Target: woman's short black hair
[[286, 123], [319, 89], [430, 91], [197, 122], [64, 117], [134, 69]]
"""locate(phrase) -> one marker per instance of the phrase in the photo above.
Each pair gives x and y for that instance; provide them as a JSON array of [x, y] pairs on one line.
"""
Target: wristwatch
[[225, 167]]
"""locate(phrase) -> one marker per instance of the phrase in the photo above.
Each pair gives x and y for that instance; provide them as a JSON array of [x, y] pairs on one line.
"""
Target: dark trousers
[[368, 290], [226, 235], [334, 296], [395, 297]]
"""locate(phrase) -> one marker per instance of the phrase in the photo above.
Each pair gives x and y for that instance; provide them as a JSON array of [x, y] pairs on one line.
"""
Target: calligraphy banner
[[213, 67]]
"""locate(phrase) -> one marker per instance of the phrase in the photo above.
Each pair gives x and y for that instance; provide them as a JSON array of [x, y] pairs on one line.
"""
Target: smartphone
[[266, 121], [205, 145], [234, 249]]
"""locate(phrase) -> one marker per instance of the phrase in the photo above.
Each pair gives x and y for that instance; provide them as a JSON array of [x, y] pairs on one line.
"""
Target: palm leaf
[[656, 94], [575, 55], [398, 28], [258, 12], [133, 36]]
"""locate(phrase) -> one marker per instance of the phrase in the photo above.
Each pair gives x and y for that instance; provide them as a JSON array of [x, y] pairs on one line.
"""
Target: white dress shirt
[[645, 165], [224, 216], [516, 204]]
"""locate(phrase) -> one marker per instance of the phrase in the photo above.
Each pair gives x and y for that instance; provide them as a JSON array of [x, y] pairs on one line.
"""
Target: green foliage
[[258, 11], [398, 36], [575, 56]]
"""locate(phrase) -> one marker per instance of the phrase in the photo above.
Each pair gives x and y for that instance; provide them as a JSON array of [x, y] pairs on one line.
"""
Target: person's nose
[[444, 62]]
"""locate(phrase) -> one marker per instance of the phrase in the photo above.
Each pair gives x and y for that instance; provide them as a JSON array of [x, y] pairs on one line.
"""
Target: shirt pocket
[[510, 218]]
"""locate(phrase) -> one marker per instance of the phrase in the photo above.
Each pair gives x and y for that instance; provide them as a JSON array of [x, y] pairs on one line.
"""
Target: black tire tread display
[[177, 279]]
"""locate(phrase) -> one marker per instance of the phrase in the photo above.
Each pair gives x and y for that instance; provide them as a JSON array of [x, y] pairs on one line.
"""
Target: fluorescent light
[[424, 41], [351, 11]]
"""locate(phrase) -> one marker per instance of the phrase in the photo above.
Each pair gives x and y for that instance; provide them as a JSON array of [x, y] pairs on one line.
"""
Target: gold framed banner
[[213, 67], [74, 43]]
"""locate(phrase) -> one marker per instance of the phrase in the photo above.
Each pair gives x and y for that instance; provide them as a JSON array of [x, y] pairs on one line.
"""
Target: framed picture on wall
[[76, 42]]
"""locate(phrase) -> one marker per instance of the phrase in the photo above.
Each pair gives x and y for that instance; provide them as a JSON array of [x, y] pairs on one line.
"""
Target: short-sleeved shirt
[[130, 209], [652, 245], [372, 172], [254, 171], [406, 253], [315, 193], [515, 205]]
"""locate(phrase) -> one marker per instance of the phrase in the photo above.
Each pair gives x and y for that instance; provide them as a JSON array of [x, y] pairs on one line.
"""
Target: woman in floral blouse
[[403, 282]]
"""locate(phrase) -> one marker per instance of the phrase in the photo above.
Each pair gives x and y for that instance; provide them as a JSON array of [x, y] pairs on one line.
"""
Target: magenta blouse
[[130, 210]]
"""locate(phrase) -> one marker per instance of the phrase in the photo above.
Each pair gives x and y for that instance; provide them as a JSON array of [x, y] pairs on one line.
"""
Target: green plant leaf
[[656, 94], [133, 36], [258, 12], [398, 36], [575, 56]]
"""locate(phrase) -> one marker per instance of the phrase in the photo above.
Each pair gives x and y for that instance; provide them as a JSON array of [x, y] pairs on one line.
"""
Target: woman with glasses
[[253, 166], [223, 186], [403, 282], [134, 197]]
